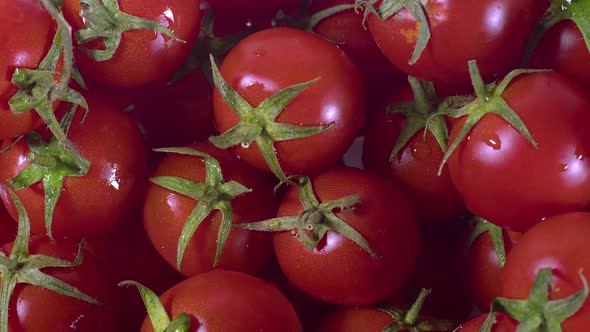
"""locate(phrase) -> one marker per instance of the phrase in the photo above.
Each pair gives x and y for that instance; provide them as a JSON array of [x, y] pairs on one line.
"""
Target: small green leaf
[[155, 309]]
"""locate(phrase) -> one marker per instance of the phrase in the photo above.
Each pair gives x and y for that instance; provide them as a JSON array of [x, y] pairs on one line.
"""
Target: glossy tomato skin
[[559, 243], [347, 319], [503, 324], [143, 57], [523, 185], [338, 270], [263, 64], [24, 47], [96, 203], [166, 212], [563, 49], [493, 33], [219, 301], [7, 227], [484, 268], [37, 309]]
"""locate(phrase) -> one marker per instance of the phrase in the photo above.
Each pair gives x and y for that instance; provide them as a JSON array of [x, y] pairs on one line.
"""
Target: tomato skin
[[24, 47], [551, 180], [166, 212], [256, 68], [37, 309], [143, 57], [96, 203], [338, 270], [565, 254], [503, 324], [219, 301], [345, 319], [493, 33], [563, 49], [7, 227]]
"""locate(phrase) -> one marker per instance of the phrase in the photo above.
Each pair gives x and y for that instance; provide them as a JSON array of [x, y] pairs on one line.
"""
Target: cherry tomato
[[34, 308], [165, 213], [96, 203], [500, 174], [229, 301], [345, 319], [143, 57], [7, 227], [493, 33], [503, 324], [263, 64], [559, 243], [338, 270], [24, 47]]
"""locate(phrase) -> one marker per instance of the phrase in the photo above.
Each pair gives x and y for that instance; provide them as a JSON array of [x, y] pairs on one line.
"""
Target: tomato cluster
[[294, 165]]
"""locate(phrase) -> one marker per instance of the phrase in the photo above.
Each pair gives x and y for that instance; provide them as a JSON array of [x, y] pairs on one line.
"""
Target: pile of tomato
[[289, 165]]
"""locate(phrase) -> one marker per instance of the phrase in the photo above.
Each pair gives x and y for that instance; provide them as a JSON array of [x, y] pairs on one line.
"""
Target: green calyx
[[158, 315], [38, 88], [420, 114], [257, 125], [577, 11], [50, 163], [105, 20], [489, 100], [538, 313], [213, 194], [21, 267], [388, 8], [308, 22], [316, 220], [496, 234], [411, 321]]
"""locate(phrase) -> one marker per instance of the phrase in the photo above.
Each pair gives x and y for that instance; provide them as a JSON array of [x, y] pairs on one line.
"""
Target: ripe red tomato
[[229, 301], [24, 47], [503, 324], [346, 319], [263, 64], [563, 49], [165, 214], [493, 33], [143, 57], [38, 309], [338, 270], [500, 174], [7, 227], [559, 243], [96, 203]]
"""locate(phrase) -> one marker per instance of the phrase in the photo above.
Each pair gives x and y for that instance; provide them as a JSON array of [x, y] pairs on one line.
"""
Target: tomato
[[338, 270], [24, 47], [96, 203], [558, 243], [166, 212], [415, 167], [563, 49], [493, 33], [229, 301], [347, 319], [263, 64], [503, 324], [143, 57], [38, 309], [542, 182], [7, 227]]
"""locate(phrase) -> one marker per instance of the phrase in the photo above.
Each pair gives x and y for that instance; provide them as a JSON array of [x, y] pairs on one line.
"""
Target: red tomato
[[500, 174], [96, 203], [503, 324], [229, 301], [7, 227], [38, 309], [563, 49], [559, 243], [143, 57], [263, 64], [165, 213], [493, 33], [24, 47], [338, 270], [367, 319]]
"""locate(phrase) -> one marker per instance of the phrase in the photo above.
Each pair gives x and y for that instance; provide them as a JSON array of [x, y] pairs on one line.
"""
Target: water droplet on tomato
[[494, 142], [563, 167], [421, 150], [259, 53], [245, 145]]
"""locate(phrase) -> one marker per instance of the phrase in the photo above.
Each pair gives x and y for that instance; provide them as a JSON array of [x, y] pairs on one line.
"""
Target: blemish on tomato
[[411, 35]]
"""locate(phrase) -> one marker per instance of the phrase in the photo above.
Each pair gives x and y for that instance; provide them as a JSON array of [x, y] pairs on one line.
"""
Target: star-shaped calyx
[[158, 316], [316, 220], [538, 313], [22, 267], [213, 194], [258, 124], [495, 233]]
